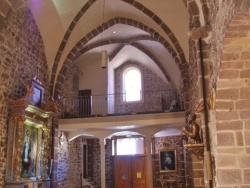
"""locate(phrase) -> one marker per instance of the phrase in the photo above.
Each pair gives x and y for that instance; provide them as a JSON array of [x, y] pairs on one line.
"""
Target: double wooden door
[[130, 171]]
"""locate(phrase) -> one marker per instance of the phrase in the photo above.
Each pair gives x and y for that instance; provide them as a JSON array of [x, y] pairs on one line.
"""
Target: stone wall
[[70, 162], [153, 89], [217, 17], [109, 165], [21, 52], [95, 159], [221, 15], [63, 173], [71, 85], [148, 77], [232, 153], [191, 89], [70, 90]]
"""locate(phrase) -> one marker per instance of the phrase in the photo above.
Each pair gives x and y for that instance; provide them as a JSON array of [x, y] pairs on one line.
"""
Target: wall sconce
[[104, 58]]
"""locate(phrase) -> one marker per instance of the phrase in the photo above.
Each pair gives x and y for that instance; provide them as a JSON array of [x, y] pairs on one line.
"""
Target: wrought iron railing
[[116, 104]]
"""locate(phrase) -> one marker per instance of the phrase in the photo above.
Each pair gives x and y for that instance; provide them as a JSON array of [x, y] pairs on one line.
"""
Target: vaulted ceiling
[[153, 33], [149, 32]]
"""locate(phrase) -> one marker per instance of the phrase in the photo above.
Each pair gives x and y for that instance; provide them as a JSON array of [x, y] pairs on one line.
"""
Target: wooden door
[[130, 171], [139, 169], [122, 170]]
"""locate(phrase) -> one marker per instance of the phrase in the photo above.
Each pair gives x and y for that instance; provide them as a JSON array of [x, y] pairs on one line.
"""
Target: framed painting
[[167, 160], [38, 92]]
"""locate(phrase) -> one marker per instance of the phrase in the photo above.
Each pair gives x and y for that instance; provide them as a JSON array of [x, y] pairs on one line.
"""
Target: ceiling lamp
[[104, 52], [104, 58]]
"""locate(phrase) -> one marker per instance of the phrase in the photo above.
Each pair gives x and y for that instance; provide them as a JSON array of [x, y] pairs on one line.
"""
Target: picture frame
[[168, 160], [38, 93]]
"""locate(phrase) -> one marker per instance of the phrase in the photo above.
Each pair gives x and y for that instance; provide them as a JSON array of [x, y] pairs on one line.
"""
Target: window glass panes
[[130, 146], [132, 84]]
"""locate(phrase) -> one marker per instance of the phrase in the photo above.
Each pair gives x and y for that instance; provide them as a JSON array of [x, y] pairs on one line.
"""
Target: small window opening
[[132, 84]]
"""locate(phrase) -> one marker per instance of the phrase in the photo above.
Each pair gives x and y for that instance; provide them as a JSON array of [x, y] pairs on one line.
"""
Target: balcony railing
[[116, 104]]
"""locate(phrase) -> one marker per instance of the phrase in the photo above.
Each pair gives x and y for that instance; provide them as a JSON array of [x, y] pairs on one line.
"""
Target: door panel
[[139, 172], [123, 172], [130, 171]]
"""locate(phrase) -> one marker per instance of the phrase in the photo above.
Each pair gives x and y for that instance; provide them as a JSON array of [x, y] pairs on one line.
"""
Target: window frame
[[125, 71], [114, 145]]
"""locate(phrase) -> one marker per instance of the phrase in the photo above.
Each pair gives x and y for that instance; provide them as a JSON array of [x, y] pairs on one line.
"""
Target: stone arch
[[80, 47], [67, 34], [164, 27], [139, 6], [198, 12], [232, 104]]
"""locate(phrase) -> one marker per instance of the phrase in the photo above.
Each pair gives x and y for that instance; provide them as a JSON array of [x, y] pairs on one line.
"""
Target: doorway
[[85, 102], [130, 171], [130, 161]]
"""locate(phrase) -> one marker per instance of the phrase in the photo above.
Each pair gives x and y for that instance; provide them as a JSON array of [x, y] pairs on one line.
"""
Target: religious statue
[[192, 130], [26, 147], [26, 159]]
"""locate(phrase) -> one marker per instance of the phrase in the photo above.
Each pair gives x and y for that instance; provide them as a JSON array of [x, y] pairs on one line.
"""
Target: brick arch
[[80, 47], [159, 22], [198, 18], [233, 103], [140, 7], [195, 15], [72, 25]]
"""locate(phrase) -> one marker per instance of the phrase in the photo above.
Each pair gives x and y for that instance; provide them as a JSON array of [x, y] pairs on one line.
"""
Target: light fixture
[[104, 58]]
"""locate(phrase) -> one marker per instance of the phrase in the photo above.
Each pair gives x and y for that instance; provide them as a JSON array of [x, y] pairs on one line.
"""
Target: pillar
[[149, 164], [103, 178]]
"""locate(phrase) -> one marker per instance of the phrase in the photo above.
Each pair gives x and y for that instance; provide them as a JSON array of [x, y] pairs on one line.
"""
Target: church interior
[[124, 93]]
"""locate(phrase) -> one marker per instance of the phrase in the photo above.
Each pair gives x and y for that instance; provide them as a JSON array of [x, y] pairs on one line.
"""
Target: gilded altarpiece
[[29, 143]]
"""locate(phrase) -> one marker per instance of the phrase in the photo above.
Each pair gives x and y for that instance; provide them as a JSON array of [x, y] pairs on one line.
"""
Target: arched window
[[132, 84]]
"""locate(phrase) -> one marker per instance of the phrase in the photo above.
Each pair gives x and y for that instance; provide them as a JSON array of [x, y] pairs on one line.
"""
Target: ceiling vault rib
[[80, 47]]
